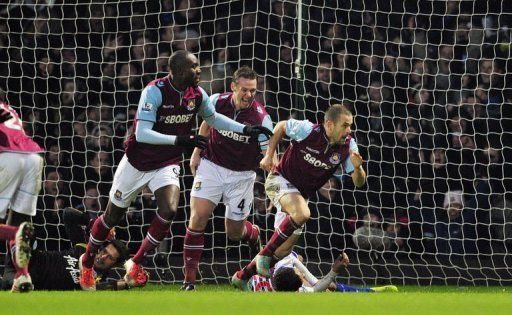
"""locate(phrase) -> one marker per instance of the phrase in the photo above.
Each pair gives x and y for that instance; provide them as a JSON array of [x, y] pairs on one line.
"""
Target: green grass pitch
[[222, 299]]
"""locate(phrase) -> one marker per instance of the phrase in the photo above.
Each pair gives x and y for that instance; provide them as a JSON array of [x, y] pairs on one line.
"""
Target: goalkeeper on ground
[[58, 270], [290, 275]]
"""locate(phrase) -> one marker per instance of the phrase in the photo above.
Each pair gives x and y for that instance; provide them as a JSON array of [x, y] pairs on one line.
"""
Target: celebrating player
[[290, 275], [313, 156], [165, 117], [225, 170], [21, 166], [57, 270]]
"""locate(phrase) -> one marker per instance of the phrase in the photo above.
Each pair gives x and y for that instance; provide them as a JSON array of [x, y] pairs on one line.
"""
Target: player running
[[21, 167], [163, 125], [226, 170], [316, 151]]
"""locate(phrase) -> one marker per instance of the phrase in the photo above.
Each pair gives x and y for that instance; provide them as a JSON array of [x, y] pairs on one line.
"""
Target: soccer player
[[226, 170], [165, 117], [57, 270], [290, 275], [315, 152], [21, 166]]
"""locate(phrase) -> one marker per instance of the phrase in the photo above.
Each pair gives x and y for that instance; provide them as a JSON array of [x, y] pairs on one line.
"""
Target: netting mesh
[[428, 83]]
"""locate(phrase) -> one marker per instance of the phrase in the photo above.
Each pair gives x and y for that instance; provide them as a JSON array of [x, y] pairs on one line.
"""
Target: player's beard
[[196, 79]]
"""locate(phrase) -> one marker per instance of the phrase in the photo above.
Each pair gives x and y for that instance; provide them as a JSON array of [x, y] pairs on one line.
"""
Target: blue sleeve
[[144, 133], [298, 129], [150, 100], [263, 140], [207, 107], [349, 167], [213, 99]]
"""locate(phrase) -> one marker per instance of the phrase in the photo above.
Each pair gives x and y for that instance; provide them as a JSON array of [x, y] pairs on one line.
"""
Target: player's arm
[[268, 161], [355, 163], [297, 130], [312, 280], [221, 122], [150, 101], [341, 262], [75, 222], [263, 139], [195, 159]]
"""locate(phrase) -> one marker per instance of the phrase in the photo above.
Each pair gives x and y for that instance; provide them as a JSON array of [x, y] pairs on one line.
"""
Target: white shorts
[[129, 181], [235, 188], [20, 182], [276, 187]]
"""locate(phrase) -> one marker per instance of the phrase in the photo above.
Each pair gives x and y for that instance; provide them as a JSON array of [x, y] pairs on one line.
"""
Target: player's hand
[[4, 115], [192, 141], [356, 159], [267, 163], [339, 263], [195, 160], [255, 131]]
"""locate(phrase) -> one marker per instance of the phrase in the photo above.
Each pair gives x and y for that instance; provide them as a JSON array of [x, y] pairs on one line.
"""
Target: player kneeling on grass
[[57, 270], [290, 275]]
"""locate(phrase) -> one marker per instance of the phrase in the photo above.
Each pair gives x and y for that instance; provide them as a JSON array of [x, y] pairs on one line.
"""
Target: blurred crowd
[[428, 83]]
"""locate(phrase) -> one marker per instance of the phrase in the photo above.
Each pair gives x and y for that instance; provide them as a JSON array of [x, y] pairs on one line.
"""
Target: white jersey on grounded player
[[258, 283]]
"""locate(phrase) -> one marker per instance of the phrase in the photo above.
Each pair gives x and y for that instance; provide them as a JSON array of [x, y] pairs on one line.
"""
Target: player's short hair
[[286, 280], [335, 111], [246, 73], [178, 60], [121, 248]]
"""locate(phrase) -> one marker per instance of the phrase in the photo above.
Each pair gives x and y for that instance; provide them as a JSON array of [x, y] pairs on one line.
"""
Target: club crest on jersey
[[197, 186], [118, 194], [147, 107], [335, 158], [191, 104]]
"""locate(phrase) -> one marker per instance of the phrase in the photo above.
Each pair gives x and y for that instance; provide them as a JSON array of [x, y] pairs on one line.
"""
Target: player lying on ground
[[226, 170], [57, 270], [163, 127], [290, 275]]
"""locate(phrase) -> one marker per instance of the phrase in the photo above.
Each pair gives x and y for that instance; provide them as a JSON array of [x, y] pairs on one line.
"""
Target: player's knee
[[234, 235], [167, 213], [301, 217], [113, 215]]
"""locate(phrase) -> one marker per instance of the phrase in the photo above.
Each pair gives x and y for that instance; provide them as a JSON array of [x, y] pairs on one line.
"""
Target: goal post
[[428, 83]]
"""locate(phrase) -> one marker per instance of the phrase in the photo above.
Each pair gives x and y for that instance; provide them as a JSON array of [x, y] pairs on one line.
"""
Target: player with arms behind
[[316, 151], [21, 167], [163, 125], [226, 170]]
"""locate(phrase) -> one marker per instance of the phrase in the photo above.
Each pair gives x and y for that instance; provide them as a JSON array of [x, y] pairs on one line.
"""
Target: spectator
[[455, 234]]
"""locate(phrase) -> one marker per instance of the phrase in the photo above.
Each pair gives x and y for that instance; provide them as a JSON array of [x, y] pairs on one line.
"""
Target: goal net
[[428, 83]]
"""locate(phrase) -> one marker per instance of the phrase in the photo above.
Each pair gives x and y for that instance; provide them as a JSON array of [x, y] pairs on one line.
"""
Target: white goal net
[[428, 83]]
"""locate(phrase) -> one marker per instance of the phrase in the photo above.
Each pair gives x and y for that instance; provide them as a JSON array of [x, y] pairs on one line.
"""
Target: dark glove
[[191, 141], [4, 115], [255, 131]]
